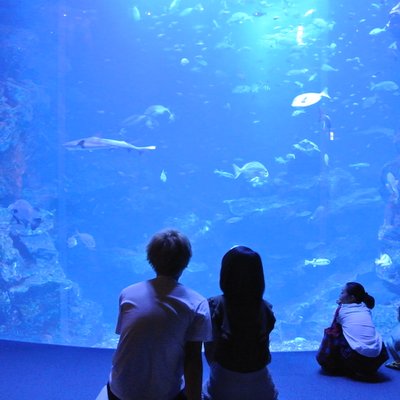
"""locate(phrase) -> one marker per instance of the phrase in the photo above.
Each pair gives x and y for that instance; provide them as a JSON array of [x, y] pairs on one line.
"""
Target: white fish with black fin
[[384, 260], [308, 99]]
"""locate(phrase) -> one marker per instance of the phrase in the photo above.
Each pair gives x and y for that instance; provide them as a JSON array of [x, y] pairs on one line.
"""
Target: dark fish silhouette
[[25, 214]]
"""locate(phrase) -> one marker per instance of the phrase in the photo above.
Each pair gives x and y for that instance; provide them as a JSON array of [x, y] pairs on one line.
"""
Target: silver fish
[[253, 172], [307, 146], [317, 262], [377, 31], [96, 143]]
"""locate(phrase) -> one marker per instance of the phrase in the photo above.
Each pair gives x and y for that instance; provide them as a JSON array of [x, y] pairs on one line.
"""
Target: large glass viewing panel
[[261, 123]]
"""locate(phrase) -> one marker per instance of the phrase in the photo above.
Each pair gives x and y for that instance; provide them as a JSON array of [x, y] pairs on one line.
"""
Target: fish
[[157, 110], [360, 165], [96, 143], [385, 86], [328, 68], [284, 160], [317, 262], [308, 99], [72, 242], [299, 35], [224, 174], [187, 11], [259, 14], [238, 18], [184, 61], [319, 213], [163, 176], [306, 146], [392, 185], [233, 220], [23, 213], [368, 102], [153, 114], [384, 260], [84, 238], [294, 72], [280, 160], [253, 171], [197, 267], [312, 77], [395, 9], [377, 31], [290, 156], [310, 12], [326, 159], [136, 14], [303, 214], [296, 113], [174, 5]]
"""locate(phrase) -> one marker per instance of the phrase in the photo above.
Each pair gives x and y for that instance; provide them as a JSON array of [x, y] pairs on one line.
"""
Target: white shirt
[[359, 330], [156, 319]]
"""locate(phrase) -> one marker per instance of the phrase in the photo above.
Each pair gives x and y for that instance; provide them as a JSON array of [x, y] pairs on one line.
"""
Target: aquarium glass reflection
[[268, 124]]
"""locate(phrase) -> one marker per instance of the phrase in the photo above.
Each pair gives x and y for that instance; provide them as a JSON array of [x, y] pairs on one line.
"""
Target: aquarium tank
[[271, 124]]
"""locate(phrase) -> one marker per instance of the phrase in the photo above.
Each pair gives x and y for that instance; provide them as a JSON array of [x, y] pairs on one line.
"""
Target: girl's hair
[[242, 275], [357, 290], [169, 252]]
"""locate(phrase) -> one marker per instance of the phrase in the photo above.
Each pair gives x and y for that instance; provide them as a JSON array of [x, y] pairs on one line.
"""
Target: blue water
[[93, 64]]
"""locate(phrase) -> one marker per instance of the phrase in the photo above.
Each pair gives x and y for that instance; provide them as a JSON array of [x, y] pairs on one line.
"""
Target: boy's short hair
[[169, 252]]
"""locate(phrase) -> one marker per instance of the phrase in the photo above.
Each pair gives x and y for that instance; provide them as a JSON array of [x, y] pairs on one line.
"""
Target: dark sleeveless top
[[241, 333]]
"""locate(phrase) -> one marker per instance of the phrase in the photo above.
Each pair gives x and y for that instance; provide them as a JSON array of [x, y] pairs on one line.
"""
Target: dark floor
[[48, 372]]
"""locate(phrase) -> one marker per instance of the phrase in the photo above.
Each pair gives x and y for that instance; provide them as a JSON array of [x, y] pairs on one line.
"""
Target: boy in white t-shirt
[[162, 325]]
